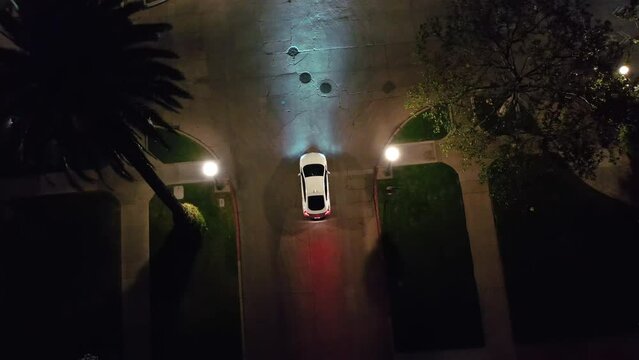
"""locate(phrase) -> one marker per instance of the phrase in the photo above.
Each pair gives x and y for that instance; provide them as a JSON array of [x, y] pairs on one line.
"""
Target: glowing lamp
[[624, 70], [210, 168], [391, 153]]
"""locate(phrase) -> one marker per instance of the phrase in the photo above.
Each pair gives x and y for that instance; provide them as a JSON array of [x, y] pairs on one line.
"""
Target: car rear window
[[316, 202], [313, 170]]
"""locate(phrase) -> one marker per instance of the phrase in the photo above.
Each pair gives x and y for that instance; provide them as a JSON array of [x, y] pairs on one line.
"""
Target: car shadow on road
[[282, 197]]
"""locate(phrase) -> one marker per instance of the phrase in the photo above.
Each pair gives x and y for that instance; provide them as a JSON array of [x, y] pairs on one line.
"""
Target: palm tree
[[80, 77]]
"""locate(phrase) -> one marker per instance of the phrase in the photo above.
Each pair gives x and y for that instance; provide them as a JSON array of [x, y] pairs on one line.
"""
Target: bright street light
[[391, 153], [624, 70], [210, 168]]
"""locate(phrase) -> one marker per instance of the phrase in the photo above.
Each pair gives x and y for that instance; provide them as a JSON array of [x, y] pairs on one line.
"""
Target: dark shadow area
[[433, 296], [570, 259], [171, 268], [60, 277], [13, 161], [381, 273]]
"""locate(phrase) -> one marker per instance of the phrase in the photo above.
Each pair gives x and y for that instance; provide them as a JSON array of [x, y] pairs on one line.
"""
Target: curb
[[238, 247], [376, 201]]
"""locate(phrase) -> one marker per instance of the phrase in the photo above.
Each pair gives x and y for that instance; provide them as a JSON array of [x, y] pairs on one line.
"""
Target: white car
[[316, 201]]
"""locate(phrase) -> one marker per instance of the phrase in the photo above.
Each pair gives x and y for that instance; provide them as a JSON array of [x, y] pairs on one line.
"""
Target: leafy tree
[[526, 79], [81, 80]]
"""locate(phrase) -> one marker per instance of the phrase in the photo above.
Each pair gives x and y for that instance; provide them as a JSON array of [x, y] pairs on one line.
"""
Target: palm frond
[[141, 33], [88, 79], [10, 28], [170, 89], [151, 70], [140, 53], [126, 10]]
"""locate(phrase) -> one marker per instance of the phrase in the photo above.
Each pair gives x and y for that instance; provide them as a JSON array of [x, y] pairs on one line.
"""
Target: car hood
[[312, 158]]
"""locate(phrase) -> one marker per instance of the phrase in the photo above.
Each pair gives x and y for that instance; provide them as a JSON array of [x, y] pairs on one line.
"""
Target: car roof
[[315, 185]]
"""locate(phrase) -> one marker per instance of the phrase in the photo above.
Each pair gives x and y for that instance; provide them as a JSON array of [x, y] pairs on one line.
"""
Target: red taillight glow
[[317, 217]]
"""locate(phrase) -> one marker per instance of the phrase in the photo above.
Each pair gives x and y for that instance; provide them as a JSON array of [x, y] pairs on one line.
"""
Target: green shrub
[[195, 217]]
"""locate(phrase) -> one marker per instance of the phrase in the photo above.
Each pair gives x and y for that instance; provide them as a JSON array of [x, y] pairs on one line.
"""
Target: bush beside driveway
[[423, 126]]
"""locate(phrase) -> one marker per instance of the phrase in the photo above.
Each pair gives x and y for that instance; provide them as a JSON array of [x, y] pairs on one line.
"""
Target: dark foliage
[[82, 82], [569, 257], [527, 77]]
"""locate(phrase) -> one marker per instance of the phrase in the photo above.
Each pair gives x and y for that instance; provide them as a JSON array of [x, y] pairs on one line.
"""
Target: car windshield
[[313, 170], [316, 202]]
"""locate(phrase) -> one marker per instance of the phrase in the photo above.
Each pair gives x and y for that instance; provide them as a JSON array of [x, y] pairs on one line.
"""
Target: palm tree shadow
[[165, 278], [171, 269]]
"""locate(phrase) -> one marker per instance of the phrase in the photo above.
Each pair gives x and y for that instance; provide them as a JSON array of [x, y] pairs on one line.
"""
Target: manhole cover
[[326, 88], [305, 78], [388, 87], [293, 51]]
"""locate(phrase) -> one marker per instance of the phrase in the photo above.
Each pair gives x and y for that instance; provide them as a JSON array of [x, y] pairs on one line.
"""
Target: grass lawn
[[420, 127], [434, 300], [194, 286], [571, 263], [181, 149], [60, 273]]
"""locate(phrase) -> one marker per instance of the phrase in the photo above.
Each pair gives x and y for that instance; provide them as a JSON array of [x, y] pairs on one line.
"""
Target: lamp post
[[391, 154]]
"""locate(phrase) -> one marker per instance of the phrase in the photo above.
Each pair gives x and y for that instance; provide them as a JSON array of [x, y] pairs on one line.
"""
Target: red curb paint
[[236, 215], [376, 201], [238, 247]]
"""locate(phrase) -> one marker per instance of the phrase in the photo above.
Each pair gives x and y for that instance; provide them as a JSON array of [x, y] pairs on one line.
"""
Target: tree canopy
[[80, 79], [526, 78]]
